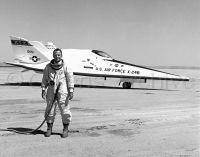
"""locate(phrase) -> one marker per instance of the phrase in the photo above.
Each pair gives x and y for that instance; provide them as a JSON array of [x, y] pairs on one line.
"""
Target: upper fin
[[30, 52]]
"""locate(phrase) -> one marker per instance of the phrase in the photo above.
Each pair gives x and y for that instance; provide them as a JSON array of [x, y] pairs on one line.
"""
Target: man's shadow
[[20, 130]]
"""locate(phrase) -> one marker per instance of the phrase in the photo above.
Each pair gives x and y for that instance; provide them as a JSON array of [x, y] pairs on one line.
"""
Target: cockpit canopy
[[102, 54]]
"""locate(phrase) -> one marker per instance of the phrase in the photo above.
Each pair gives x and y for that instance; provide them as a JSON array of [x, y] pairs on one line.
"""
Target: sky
[[143, 32]]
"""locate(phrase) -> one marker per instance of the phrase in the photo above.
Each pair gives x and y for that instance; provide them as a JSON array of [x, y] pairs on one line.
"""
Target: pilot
[[57, 88]]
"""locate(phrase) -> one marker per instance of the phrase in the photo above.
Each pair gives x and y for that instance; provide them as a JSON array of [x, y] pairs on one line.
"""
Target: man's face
[[57, 55]]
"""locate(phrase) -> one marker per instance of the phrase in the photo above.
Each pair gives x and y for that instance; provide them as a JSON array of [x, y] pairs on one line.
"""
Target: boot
[[65, 130], [49, 129]]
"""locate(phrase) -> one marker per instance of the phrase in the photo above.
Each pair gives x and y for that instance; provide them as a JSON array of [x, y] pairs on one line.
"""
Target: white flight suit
[[64, 81]]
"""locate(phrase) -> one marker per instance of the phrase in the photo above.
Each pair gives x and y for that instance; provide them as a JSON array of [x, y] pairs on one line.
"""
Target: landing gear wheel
[[126, 85]]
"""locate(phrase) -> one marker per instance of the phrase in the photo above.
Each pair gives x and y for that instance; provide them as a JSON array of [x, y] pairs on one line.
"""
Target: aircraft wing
[[36, 67]]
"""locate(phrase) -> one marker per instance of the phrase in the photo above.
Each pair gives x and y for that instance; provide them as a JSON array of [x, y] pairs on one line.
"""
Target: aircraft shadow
[[22, 84], [21, 130], [110, 87], [80, 86]]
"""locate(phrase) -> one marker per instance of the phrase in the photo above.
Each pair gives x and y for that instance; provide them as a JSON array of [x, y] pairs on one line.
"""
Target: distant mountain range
[[156, 67]]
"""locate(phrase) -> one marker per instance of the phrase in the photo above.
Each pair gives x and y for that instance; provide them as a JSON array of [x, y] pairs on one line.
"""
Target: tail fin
[[30, 52]]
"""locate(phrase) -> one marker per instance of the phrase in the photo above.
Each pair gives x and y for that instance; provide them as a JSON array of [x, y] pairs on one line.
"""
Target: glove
[[44, 94], [71, 95]]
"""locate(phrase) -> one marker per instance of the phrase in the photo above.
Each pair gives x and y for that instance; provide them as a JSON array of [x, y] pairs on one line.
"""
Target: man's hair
[[57, 49]]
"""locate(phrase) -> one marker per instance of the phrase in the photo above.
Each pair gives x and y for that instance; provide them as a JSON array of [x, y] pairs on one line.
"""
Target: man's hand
[[71, 95], [44, 93]]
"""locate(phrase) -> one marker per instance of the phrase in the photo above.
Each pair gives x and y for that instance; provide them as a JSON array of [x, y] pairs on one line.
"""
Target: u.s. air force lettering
[[118, 70]]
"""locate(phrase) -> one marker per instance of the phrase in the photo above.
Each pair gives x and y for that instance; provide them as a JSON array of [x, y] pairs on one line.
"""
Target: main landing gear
[[126, 85]]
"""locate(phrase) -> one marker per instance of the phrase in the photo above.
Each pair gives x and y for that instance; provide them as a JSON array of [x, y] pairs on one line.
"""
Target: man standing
[[57, 86]]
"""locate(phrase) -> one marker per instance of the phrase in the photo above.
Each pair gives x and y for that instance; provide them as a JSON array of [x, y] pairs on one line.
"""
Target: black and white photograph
[[100, 78]]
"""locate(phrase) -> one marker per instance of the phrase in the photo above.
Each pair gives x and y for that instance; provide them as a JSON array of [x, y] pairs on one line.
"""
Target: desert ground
[[156, 119]]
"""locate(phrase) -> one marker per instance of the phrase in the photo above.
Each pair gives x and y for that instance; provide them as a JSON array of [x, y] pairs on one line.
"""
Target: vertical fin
[[32, 52]]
